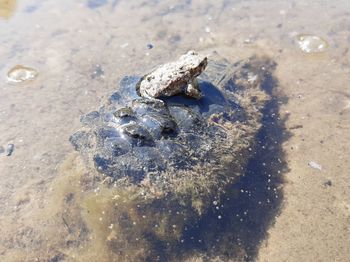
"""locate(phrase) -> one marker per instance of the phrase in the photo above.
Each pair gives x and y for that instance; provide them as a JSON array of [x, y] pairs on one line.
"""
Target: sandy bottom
[[81, 50]]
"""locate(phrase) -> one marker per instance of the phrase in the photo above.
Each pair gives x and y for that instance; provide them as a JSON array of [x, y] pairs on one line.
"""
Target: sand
[[81, 53]]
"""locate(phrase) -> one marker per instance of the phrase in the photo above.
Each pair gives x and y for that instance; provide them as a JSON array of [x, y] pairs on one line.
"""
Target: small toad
[[174, 78]]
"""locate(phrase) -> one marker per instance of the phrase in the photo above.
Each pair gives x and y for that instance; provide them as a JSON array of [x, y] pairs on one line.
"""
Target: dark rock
[[328, 183], [175, 151]]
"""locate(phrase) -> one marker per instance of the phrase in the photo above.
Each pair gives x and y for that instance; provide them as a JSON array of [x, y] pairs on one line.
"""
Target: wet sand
[[82, 50], [314, 221]]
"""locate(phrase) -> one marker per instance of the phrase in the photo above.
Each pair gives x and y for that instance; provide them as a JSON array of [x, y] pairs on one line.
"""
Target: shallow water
[[281, 210]]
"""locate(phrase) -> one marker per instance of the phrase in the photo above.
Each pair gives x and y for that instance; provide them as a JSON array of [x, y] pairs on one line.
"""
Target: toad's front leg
[[192, 89]]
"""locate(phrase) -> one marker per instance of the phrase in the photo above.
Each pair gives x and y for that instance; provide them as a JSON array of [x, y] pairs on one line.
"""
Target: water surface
[[284, 211]]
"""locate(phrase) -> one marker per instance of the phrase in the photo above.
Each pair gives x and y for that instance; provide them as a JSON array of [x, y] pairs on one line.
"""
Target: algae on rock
[[164, 161]]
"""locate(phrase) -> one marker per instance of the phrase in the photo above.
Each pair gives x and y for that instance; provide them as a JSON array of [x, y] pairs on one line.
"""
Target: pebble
[[311, 43], [315, 165], [150, 46], [9, 149], [124, 45], [20, 73], [327, 183]]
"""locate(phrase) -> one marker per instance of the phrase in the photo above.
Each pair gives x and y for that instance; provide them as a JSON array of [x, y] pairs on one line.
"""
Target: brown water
[[81, 49]]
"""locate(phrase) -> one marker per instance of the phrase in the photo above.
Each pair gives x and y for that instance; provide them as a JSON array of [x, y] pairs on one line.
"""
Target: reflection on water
[[312, 43], [7, 8]]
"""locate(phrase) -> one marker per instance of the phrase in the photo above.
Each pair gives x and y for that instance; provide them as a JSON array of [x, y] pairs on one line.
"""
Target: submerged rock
[[173, 153]]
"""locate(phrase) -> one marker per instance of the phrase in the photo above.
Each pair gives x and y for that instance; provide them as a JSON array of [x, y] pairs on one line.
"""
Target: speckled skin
[[174, 78]]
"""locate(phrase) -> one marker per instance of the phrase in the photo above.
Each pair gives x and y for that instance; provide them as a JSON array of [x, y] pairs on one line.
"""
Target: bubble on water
[[21, 73], [311, 43]]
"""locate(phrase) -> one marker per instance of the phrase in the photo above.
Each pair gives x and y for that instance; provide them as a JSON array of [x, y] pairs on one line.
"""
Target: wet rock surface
[[133, 136], [174, 153]]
